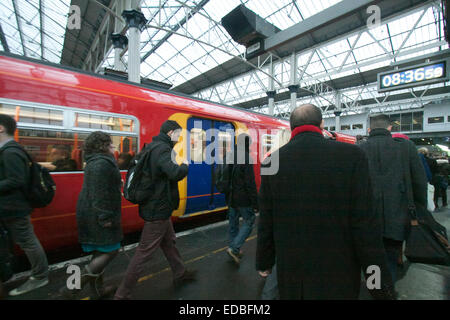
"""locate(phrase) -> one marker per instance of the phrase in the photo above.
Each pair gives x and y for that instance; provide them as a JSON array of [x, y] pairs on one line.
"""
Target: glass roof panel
[[21, 23]]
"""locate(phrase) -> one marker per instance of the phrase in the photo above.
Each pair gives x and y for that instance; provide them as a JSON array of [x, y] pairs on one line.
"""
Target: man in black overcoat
[[392, 163], [316, 218]]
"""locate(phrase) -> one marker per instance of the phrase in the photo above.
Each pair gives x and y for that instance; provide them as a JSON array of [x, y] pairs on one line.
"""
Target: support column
[[293, 84], [271, 96], [119, 42], [338, 111], [293, 89], [136, 22], [271, 92]]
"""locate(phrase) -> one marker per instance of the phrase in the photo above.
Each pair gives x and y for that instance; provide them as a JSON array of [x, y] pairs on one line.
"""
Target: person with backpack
[[99, 213], [161, 175], [15, 207], [242, 198]]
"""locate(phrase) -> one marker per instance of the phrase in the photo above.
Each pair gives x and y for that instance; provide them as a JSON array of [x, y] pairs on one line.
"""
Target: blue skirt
[[105, 248]]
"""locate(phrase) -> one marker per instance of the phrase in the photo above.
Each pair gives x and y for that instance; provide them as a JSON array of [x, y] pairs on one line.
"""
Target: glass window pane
[[33, 115], [395, 122], [357, 126], [198, 145], [345, 127], [436, 119], [84, 120], [406, 121], [418, 121]]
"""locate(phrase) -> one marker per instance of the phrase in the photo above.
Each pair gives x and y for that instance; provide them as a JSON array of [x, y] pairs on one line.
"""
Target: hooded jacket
[[165, 176], [14, 179]]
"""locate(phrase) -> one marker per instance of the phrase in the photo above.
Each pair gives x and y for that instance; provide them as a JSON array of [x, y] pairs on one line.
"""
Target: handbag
[[427, 240], [430, 197]]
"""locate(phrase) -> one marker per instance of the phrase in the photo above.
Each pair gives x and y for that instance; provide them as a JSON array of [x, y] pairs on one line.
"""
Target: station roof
[[185, 45]]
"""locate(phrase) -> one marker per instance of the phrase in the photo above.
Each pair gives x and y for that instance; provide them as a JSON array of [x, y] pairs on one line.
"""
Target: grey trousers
[[22, 233]]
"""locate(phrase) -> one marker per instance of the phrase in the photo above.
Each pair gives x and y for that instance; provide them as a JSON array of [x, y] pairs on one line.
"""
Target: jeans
[[237, 236], [270, 290], [22, 233]]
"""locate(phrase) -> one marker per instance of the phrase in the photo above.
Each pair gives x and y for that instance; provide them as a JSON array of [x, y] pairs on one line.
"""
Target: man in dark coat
[[243, 200], [15, 209], [316, 217], [158, 229], [392, 164]]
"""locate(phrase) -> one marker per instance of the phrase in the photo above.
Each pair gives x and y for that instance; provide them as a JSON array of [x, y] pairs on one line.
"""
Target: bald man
[[316, 218]]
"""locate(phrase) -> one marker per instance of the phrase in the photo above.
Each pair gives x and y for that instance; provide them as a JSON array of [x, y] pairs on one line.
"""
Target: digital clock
[[413, 76]]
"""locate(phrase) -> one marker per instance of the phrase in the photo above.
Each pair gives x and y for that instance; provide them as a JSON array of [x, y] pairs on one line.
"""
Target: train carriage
[[60, 106]]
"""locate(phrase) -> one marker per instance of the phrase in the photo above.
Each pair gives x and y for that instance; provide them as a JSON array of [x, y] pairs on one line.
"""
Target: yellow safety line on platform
[[187, 262]]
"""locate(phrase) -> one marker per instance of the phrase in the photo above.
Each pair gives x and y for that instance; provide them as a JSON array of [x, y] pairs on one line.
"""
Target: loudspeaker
[[246, 27]]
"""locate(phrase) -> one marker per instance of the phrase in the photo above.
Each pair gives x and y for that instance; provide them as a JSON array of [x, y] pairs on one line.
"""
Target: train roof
[[168, 98]]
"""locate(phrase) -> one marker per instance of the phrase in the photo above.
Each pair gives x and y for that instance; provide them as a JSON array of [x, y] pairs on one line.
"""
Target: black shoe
[[189, 275]]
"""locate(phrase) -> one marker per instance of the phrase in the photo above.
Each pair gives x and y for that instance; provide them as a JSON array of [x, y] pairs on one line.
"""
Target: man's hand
[[264, 274]]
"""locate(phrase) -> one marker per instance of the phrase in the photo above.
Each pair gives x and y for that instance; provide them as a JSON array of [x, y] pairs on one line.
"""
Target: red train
[[57, 107]]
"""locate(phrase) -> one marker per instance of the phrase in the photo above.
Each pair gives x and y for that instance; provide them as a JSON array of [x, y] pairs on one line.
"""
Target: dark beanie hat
[[169, 125]]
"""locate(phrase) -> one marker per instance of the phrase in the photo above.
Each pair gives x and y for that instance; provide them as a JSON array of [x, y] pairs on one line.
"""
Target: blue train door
[[202, 194]]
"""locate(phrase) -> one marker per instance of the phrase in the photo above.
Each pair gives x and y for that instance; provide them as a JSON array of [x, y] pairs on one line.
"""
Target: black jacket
[[389, 161], [100, 202], [316, 220], [165, 176], [14, 179], [243, 186]]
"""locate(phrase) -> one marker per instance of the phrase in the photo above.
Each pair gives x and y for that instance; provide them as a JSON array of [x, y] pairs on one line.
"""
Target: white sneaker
[[31, 284], [235, 257]]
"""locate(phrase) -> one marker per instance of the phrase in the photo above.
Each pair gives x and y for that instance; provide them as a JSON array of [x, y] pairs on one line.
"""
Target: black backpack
[[41, 189], [138, 183]]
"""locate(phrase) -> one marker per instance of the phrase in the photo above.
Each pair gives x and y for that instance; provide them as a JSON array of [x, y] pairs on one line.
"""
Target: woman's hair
[[97, 142]]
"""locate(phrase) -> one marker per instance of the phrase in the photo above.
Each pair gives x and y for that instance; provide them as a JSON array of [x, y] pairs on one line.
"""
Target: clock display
[[419, 75]]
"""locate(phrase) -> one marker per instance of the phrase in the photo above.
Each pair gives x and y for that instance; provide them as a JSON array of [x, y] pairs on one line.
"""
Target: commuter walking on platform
[[15, 209], [243, 200], [99, 212], [393, 165], [441, 185], [158, 229], [316, 217]]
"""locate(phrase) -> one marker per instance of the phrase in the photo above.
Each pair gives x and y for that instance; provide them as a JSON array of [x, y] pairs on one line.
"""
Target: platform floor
[[219, 278]]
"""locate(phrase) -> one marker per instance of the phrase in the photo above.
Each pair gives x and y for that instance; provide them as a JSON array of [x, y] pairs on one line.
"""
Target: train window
[[91, 121], [436, 119], [61, 151], [198, 145], [224, 143], [267, 142], [345, 127], [332, 128], [34, 115], [357, 126]]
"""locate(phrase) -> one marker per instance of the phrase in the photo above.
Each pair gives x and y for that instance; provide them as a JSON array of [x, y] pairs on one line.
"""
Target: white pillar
[[338, 111], [134, 58], [136, 21]]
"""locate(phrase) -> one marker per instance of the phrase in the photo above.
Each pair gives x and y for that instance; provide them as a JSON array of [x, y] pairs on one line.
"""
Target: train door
[[201, 192]]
